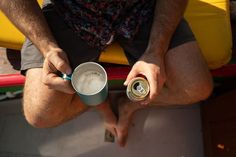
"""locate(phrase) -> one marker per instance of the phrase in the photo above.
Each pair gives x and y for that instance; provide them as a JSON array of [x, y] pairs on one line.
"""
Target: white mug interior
[[86, 70]]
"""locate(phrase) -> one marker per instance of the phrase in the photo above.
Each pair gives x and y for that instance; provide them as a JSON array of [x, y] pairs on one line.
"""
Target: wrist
[[158, 42], [47, 46], [155, 50]]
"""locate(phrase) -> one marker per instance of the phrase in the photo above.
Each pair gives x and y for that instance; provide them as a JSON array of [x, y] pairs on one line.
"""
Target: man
[[157, 42]]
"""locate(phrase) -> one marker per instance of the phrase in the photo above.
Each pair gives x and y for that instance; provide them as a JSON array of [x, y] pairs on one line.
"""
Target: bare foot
[[126, 111], [109, 118]]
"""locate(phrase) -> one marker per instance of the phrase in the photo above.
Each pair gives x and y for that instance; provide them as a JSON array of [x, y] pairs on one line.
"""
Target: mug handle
[[66, 77]]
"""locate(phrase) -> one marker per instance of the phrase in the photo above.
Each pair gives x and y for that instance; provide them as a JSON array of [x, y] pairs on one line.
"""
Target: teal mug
[[89, 80]]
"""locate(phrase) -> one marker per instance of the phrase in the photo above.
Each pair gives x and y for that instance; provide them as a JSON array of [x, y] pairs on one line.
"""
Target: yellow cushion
[[108, 54], [10, 37], [209, 20]]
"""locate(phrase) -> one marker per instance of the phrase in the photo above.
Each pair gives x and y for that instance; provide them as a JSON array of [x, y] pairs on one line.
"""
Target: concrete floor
[[5, 66], [156, 132]]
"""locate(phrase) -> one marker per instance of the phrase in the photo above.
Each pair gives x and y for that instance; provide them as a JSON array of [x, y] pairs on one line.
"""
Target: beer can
[[137, 89]]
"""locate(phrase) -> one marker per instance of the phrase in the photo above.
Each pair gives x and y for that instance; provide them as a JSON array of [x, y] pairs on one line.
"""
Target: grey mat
[[155, 132]]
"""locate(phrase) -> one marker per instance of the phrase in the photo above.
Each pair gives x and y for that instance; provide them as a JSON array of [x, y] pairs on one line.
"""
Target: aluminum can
[[137, 89]]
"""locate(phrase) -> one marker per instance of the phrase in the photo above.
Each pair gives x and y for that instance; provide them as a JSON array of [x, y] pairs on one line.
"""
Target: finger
[[60, 63], [132, 74], [152, 78], [155, 86], [57, 83]]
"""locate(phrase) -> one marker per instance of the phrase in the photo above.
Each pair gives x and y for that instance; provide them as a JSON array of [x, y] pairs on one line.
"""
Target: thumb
[[60, 63]]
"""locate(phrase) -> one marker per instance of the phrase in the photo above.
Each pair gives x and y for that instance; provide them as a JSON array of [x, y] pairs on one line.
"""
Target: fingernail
[[125, 83], [68, 71]]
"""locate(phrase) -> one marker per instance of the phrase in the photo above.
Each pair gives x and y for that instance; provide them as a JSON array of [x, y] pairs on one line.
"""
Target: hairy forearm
[[166, 18], [27, 16]]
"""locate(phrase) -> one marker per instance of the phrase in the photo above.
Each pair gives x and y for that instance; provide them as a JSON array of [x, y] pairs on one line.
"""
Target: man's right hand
[[56, 60]]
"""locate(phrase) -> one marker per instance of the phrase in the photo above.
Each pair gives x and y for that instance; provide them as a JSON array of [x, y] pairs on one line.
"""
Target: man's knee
[[37, 102], [41, 117], [198, 91]]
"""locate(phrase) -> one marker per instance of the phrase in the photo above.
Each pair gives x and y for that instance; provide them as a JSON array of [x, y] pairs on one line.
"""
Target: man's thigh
[[41, 101], [186, 69]]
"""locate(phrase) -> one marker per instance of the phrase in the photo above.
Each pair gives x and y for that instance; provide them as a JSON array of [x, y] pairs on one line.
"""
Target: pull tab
[[140, 89]]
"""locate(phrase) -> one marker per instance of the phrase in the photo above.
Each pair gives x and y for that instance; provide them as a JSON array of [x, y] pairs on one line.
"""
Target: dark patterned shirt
[[99, 21]]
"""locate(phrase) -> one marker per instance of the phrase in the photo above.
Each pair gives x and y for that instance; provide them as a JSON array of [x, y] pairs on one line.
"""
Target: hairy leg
[[44, 107], [188, 81], [188, 77]]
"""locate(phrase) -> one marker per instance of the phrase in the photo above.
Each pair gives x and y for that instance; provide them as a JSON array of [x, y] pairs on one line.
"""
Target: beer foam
[[90, 82]]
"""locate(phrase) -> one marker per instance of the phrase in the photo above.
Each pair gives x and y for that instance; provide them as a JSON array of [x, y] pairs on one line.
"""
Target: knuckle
[[66, 87], [155, 69], [60, 64], [46, 81], [47, 55]]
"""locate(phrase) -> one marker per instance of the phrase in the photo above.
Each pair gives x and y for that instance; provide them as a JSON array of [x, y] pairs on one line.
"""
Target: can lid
[[139, 88]]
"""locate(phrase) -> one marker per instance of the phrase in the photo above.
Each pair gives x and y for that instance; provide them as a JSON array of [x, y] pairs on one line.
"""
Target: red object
[[114, 73], [11, 80], [228, 70]]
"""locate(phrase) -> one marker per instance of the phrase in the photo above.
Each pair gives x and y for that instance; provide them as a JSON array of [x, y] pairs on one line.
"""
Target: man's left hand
[[151, 65]]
